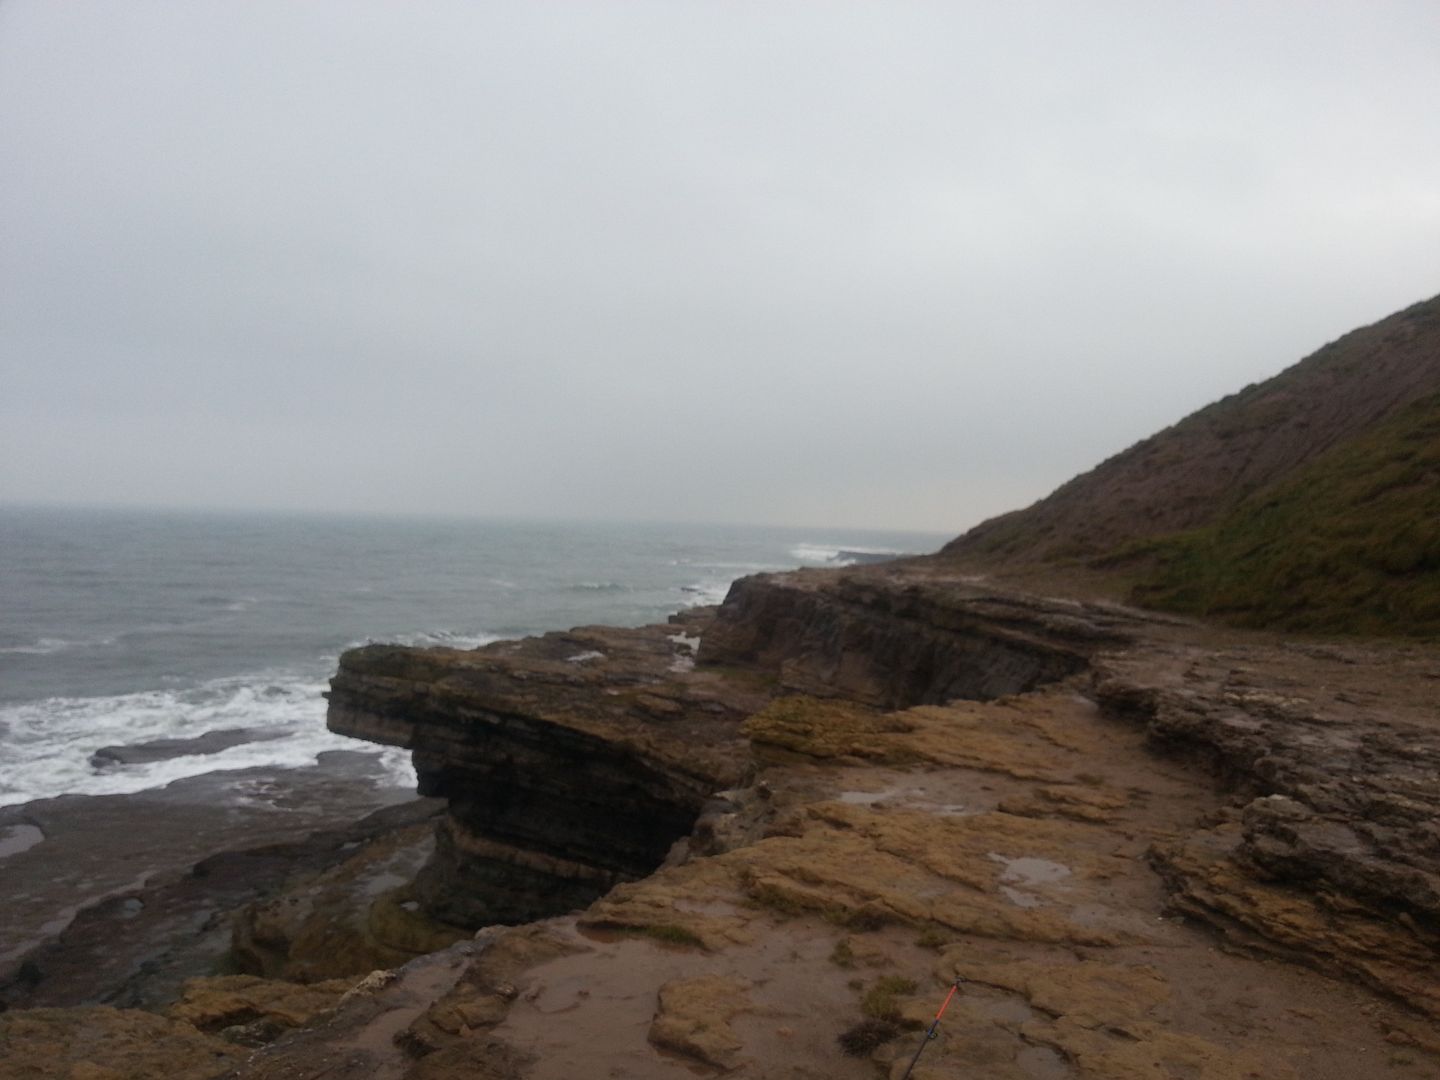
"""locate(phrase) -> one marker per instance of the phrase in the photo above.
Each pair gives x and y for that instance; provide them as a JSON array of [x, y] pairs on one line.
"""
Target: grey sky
[[890, 264]]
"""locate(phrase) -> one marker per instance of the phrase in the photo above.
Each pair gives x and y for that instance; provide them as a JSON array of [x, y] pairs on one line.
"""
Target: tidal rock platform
[[763, 840]]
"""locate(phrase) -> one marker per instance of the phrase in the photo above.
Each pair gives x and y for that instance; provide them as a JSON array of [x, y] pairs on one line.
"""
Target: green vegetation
[[783, 902], [1348, 544], [933, 937], [866, 1036], [843, 955], [882, 1000], [865, 918], [670, 934]]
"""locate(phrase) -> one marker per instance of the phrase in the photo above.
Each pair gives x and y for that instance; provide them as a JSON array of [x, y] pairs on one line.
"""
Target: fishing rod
[[934, 1024]]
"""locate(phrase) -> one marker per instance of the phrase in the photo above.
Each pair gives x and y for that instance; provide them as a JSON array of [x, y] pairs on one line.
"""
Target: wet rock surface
[[1147, 849], [212, 742], [571, 761], [126, 896], [347, 918], [888, 640], [1330, 852], [101, 1043]]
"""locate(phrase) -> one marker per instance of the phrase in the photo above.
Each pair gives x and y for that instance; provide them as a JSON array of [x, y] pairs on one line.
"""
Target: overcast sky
[[891, 264]]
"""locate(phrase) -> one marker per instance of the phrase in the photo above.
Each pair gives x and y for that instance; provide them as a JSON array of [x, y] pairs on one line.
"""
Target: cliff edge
[[767, 839]]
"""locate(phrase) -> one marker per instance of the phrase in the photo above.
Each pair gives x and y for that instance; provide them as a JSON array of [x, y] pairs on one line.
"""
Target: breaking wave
[[49, 742]]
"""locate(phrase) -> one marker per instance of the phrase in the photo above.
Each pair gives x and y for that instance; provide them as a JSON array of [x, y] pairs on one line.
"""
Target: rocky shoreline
[[762, 840], [116, 899]]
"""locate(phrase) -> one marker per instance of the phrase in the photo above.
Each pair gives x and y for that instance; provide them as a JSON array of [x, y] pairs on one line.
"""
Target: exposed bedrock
[[571, 761], [888, 640], [577, 760], [1333, 853]]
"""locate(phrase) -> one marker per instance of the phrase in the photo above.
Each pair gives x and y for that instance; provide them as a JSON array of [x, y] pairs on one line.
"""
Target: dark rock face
[[571, 761], [212, 742], [135, 945], [891, 642], [545, 818], [576, 761]]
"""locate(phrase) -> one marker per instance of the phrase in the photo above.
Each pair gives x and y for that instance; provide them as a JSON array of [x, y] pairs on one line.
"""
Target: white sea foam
[[705, 592], [450, 639], [712, 564], [834, 555], [49, 742], [687, 648], [40, 647], [815, 553]]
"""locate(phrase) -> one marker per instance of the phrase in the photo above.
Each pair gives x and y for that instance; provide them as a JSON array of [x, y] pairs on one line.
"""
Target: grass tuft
[[865, 1036], [670, 934], [882, 1000]]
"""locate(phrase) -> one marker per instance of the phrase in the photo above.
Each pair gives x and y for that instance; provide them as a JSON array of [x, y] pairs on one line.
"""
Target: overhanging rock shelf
[[577, 760]]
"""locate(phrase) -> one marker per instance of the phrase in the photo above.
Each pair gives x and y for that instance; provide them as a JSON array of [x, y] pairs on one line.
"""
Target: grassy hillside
[[1349, 543], [1309, 501], [1195, 473]]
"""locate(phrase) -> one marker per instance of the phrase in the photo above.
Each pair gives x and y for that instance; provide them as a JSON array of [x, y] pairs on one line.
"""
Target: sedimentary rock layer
[[889, 640], [570, 762], [574, 761], [1331, 855]]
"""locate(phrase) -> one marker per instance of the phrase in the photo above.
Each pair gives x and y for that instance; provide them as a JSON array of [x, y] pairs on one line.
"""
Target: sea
[[123, 627]]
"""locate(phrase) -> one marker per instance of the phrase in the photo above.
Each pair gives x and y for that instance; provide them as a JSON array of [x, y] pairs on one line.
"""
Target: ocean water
[[119, 627]]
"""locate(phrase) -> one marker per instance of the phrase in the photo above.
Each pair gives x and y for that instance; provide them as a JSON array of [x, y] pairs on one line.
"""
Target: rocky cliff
[[570, 762], [763, 839], [1066, 804], [766, 839], [575, 761]]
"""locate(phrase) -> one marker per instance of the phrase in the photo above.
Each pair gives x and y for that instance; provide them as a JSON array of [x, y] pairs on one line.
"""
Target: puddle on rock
[[1018, 898], [1028, 870], [866, 798], [17, 838]]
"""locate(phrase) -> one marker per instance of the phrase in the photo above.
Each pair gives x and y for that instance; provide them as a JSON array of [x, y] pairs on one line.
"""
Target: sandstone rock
[[1336, 858], [693, 1019], [484, 991], [1102, 1018], [229, 1001], [108, 1044], [1210, 883]]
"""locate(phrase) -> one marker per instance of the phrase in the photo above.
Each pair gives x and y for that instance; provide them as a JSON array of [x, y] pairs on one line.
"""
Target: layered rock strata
[[889, 640], [575, 761], [1098, 841], [571, 761], [1331, 851]]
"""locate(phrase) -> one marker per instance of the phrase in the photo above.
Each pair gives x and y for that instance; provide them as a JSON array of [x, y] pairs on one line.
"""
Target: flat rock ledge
[[764, 840]]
